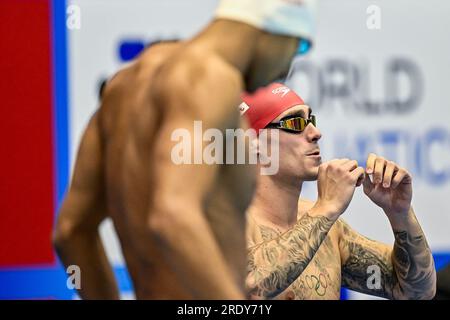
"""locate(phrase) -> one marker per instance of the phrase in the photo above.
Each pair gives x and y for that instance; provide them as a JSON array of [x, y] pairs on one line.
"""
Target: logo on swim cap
[[283, 90], [243, 107], [267, 103]]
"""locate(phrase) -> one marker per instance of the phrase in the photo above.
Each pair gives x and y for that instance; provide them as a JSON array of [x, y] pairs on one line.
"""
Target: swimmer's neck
[[234, 41], [276, 200]]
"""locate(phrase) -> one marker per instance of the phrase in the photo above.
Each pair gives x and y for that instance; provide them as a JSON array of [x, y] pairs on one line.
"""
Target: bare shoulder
[[342, 228], [347, 236], [198, 82], [193, 65], [140, 72], [347, 232], [129, 89]]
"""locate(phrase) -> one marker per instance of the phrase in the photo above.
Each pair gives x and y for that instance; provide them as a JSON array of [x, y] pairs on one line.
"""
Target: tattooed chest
[[320, 280], [302, 262]]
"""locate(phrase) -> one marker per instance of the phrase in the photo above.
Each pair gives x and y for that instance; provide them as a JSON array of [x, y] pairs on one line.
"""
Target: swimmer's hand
[[336, 185], [390, 188]]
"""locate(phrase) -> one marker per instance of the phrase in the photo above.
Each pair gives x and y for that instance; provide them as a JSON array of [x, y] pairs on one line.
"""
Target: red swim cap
[[267, 103]]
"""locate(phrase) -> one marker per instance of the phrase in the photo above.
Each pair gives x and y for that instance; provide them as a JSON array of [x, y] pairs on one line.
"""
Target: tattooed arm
[[405, 271], [275, 264]]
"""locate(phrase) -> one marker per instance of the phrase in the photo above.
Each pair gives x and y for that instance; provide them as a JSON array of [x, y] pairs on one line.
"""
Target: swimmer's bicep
[[84, 206], [366, 264]]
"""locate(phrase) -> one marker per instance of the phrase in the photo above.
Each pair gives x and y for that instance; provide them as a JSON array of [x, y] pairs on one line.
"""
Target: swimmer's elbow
[[425, 291], [63, 233], [430, 285], [430, 294], [168, 225], [424, 288], [67, 230]]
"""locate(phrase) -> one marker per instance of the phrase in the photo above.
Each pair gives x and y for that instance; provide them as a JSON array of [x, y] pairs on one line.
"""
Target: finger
[[388, 173], [367, 184], [360, 180], [370, 163], [330, 162], [378, 170], [402, 176], [337, 163], [341, 161], [357, 174], [350, 165], [324, 164]]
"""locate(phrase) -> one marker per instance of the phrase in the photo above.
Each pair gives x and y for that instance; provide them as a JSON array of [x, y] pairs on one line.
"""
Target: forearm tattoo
[[406, 272], [275, 264], [414, 266], [355, 272]]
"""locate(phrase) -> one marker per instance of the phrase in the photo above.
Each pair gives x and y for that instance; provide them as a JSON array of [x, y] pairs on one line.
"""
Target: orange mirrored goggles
[[294, 124]]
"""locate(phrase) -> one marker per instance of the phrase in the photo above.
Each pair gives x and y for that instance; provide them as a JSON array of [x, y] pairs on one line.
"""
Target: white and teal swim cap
[[285, 17]]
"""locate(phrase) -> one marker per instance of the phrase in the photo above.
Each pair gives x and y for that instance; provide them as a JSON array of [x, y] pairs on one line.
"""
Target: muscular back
[[132, 119], [181, 227]]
